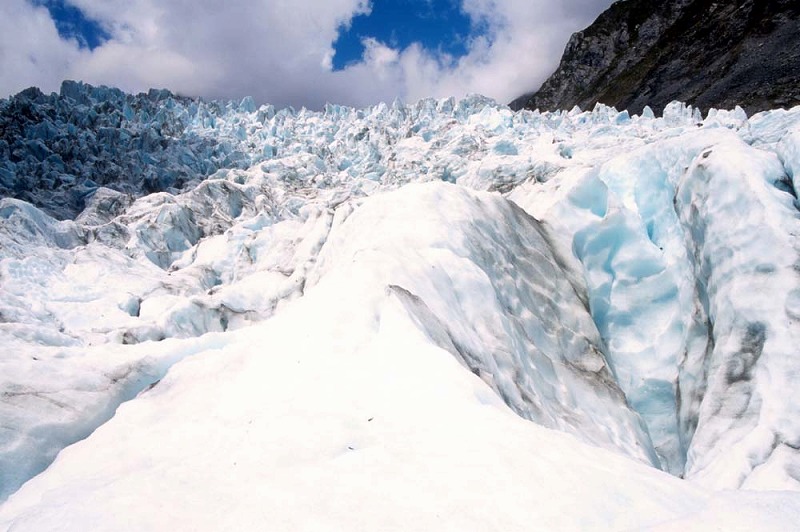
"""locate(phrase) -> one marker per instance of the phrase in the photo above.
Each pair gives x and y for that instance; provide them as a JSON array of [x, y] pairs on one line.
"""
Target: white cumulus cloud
[[281, 51]]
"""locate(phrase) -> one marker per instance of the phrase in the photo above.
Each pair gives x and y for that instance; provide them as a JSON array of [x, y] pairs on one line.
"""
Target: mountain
[[704, 52], [438, 315]]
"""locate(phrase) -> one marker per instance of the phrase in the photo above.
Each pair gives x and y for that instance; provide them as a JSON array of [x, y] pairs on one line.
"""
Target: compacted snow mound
[[325, 317], [481, 279]]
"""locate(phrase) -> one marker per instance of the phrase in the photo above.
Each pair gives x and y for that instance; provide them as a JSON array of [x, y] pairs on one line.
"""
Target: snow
[[360, 422], [383, 445], [464, 274], [436, 316]]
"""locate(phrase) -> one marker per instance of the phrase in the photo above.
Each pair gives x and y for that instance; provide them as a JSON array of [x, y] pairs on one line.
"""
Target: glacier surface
[[437, 315]]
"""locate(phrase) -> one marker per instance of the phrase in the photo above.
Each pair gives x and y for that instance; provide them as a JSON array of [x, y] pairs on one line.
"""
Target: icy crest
[[630, 280]]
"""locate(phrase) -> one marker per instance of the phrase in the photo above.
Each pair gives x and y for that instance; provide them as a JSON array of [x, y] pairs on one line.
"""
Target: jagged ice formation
[[327, 298]]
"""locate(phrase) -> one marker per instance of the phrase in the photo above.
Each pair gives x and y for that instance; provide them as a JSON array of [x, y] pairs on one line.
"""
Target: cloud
[[31, 51], [280, 51], [523, 44]]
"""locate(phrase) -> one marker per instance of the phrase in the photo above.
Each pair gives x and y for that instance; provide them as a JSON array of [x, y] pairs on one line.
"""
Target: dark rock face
[[709, 53]]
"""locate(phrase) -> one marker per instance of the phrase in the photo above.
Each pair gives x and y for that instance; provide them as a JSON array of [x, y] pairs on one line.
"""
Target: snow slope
[[345, 332]]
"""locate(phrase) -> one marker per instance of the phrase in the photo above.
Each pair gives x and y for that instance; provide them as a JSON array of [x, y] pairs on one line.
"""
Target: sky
[[303, 53]]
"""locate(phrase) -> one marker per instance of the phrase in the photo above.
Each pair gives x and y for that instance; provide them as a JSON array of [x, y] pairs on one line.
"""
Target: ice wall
[[647, 267], [743, 233]]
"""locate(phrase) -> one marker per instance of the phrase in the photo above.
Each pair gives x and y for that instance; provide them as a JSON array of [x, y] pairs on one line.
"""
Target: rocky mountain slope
[[704, 52]]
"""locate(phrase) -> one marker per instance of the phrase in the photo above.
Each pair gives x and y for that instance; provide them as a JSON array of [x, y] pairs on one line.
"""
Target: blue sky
[[291, 52], [72, 23], [438, 25]]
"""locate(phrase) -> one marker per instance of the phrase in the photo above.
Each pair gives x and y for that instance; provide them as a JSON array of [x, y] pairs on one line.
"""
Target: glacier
[[436, 315]]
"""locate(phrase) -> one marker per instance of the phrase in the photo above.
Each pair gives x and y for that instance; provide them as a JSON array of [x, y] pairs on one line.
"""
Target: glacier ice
[[628, 280], [747, 268], [789, 153]]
